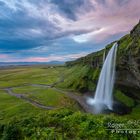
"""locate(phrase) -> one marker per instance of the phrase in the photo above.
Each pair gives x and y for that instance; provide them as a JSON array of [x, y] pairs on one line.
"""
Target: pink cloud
[[36, 59], [3, 56], [55, 57], [113, 17], [49, 58]]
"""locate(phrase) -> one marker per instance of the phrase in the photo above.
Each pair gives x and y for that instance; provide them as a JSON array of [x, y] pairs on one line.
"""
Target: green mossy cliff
[[127, 67]]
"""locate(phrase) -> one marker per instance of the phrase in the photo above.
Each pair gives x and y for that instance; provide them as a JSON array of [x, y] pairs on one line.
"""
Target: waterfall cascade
[[103, 96]]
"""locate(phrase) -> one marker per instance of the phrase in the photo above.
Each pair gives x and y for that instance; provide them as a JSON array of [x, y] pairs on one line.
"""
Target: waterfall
[[103, 96]]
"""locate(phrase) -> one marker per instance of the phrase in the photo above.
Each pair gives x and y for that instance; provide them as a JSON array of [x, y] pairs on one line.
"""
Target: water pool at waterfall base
[[99, 106]]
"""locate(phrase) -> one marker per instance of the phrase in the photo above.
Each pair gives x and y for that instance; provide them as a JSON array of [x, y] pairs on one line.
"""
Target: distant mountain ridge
[[30, 63]]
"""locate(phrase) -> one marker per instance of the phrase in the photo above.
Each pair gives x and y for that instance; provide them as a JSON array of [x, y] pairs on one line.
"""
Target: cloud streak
[[35, 26], [44, 59]]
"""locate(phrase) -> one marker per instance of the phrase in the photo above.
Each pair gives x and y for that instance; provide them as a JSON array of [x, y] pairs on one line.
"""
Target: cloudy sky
[[61, 30]]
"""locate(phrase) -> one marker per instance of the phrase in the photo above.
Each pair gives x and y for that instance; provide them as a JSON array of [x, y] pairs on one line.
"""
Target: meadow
[[25, 91], [23, 81]]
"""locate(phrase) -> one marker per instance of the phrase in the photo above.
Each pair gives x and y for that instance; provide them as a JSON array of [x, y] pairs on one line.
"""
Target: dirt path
[[80, 99], [21, 96]]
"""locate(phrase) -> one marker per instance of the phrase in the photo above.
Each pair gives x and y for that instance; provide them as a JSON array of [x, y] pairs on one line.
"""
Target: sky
[[62, 30]]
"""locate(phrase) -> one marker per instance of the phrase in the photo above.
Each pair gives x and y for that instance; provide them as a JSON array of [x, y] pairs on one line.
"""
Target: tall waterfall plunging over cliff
[[103, 95]]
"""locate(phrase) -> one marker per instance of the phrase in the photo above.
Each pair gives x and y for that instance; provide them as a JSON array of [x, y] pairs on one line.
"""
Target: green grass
[[79, 78], [11, 107], [22, 76], [27, 89], [124, 99], [69, 125], [48, 97], [136, 112], [29, 75], [31, 120]]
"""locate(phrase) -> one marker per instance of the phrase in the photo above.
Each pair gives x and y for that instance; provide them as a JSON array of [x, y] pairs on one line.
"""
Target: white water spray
[[103, 95]]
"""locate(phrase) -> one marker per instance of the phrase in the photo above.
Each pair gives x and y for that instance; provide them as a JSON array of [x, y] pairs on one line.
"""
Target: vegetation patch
[[67, 124], [124, 99]]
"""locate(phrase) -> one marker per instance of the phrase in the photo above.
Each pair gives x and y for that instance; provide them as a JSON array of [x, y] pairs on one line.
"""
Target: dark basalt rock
[[120, 108]]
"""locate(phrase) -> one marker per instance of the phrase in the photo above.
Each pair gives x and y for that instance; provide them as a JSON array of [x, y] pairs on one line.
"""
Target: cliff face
[[127, 67], [128, 63]]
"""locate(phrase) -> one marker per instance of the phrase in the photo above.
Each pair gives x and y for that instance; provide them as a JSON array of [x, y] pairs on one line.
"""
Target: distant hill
[[30, 63]]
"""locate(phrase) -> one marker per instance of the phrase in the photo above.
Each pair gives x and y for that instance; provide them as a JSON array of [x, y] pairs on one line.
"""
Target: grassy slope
[[80, 78], [48, 97], [123, 98], [31, 123], [69, 125], [12, 107]]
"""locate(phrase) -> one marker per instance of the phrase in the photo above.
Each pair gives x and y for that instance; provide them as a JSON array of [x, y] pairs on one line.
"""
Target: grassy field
[[48, 97], [11, 107], [20, 80], [29, 75], [20, 119], [30, 81]]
